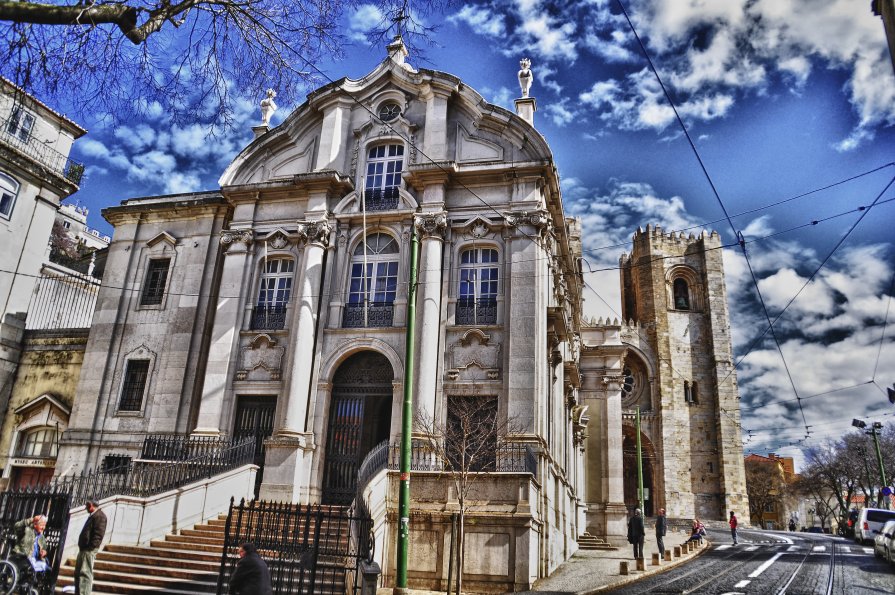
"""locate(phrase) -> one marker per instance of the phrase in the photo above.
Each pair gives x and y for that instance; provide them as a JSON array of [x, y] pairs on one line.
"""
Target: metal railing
[[506, 458], [62, 301], [269, 317], [379, 199], [180, 447], [143, 479], [308, 549], [480, 311], [17, 505], [375, 314], [43, 153]]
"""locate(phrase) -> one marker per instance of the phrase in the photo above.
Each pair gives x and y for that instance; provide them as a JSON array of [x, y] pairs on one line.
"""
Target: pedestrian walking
[[661, 528], [733, 527], [251, 576], [636, 533], [89, 542]]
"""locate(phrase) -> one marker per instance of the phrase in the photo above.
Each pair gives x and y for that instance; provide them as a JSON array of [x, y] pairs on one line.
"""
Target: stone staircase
[[586, 541], [189, 562], [185, 563]]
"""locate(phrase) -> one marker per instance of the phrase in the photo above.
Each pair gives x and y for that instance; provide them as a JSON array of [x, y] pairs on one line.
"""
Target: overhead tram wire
[[762, 208]]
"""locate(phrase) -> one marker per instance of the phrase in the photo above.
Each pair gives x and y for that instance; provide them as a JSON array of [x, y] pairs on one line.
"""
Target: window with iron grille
[[117, 464], [372, 289], [39, 443], [477, 300], [20, 124], [274, 293], [9, 188], [135, 376], [384, 165], [156, 277]]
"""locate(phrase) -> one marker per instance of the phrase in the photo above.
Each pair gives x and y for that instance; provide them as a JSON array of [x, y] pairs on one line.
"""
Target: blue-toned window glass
[[381, 273], [384, 166], [479, 276], [276, 282]]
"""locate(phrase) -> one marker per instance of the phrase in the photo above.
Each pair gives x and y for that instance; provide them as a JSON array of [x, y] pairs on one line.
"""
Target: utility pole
[[879, 459], [639, 466], [407, 423]]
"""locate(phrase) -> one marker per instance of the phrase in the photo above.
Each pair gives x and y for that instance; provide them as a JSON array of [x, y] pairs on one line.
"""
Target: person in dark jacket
[[89, 542], [636, 533], [661, 529], [251, 576]]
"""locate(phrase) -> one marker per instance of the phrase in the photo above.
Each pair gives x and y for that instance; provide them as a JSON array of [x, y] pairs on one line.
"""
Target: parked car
[[870, 521], [884, 542]]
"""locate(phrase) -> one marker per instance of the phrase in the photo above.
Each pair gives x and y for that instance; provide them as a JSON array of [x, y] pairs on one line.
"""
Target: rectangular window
[[135, 376], [20, 124], [156, 277], [6, 202], [769, 507]]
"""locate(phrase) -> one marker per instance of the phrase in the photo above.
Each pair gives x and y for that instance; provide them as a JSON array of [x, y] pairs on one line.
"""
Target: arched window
[[372, 289], [40, 443], [681, 294], [274, 293], [9, 188], [384, 166], [690, 395], [477, 298]]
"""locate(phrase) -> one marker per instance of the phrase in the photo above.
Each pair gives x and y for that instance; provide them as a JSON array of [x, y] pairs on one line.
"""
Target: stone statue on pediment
[[268, 107], [526, 77]]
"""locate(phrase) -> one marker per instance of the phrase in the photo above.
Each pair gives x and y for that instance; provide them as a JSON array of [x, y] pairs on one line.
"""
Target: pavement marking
[[724, 547], [845, 548], [868, 550], [778, 538], [792, 548], [752, 548], [741, 584], [765, 566], [820, 548]]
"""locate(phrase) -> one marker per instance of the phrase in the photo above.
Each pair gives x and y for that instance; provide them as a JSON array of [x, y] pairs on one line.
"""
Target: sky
[[790, 107]]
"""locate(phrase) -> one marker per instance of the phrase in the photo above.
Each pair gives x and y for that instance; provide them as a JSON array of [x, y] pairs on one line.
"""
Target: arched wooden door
[[359, 419]]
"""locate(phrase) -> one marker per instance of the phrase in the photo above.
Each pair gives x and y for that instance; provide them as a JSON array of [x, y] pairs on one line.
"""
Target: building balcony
[[371, 315], [269, 317], [43, 154], [379, 199], [472, 311]]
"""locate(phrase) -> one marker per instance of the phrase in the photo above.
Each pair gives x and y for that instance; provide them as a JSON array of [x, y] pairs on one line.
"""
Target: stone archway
[[650, 468], [359, 419]]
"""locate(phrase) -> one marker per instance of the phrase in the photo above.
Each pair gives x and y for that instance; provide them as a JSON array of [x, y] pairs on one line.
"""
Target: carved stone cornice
[[430, 225], [314, 232], [231, 237]]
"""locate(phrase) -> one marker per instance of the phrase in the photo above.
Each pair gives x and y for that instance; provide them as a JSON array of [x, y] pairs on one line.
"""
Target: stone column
[[431, 228], [225, 333], [316, 236]]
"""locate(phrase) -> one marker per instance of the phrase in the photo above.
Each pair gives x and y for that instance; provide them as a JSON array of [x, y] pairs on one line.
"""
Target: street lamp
[[874, 427]]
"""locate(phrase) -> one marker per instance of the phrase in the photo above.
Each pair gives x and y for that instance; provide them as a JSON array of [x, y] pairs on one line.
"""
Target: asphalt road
[[774, 563]]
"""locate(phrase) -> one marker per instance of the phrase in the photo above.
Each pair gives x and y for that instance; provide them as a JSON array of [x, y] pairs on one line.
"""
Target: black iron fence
[[476, 311], [381, 199], [269, 317], [18, 505], [143, 479], [370, 315], [506, 458], [180, 447], [308, 549]]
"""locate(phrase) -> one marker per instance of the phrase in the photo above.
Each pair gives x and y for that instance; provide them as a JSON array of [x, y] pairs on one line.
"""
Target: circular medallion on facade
[[389, 111]]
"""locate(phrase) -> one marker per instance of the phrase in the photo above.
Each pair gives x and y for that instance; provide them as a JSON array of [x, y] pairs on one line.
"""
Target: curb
[[634, 578]]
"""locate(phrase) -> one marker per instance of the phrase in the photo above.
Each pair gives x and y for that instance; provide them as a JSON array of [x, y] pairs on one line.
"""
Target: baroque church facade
[[277, 307]]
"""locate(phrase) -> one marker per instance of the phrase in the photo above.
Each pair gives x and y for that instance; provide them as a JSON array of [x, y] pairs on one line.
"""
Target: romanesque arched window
[[477, 296], [274, 293], [384, 166], [681, 294], [374, 282]]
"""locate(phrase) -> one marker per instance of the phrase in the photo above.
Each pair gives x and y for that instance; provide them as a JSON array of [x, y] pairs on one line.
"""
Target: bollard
[[369, 577], [668, 555], [656, 559], [641, 565], [623, 567]]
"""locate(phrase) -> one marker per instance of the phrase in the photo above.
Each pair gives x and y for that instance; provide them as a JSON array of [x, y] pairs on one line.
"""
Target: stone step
[[129, 582], [140, 569], [163, 552]]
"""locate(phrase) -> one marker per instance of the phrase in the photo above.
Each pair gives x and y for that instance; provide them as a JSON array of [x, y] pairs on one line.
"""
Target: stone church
[[277, 305]]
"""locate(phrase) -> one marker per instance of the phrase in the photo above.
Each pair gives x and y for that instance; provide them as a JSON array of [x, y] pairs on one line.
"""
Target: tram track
[[810, 551]]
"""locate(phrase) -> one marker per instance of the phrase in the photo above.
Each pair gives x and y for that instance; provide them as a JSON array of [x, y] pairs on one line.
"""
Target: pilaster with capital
[[225, 334], [431, 229], [315, 236]]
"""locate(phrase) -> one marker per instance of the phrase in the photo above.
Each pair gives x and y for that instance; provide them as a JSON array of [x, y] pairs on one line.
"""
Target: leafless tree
[[186, 57], [62, 243], [473, 441], [765, 485]]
